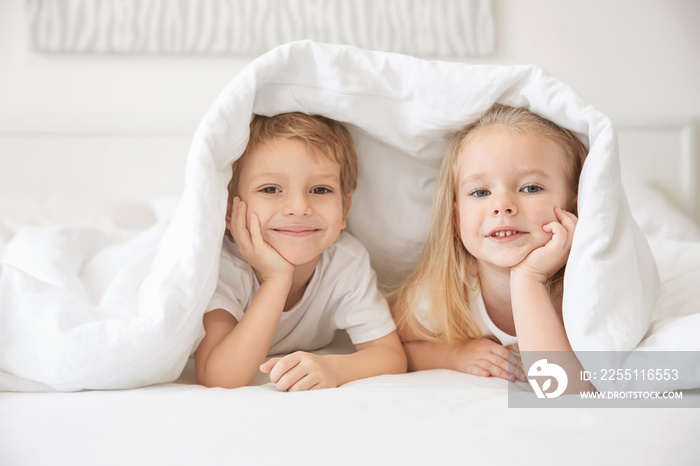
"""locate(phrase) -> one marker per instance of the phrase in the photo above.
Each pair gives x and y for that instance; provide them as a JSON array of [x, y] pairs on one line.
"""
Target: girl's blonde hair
[[445, 268]]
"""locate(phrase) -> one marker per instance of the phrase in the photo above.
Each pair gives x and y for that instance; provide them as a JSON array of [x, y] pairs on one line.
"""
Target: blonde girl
[[490, 275]]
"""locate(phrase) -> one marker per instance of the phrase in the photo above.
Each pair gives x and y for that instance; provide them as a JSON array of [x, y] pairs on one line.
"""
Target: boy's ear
[[346, 210], [229, 209]]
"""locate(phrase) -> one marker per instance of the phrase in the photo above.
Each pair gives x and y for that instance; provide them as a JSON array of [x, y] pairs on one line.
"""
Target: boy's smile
[[297, 197], [509, 185]]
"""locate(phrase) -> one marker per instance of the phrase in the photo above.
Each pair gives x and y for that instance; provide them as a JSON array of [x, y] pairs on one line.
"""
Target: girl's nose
[[504, 205], [507, 210]]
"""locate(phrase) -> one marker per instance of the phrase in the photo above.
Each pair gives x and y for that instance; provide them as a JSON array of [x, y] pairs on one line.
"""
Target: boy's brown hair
[[323, 136]]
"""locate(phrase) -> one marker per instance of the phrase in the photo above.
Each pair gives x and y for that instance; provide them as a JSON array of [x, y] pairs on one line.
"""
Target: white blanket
[[82, 307]]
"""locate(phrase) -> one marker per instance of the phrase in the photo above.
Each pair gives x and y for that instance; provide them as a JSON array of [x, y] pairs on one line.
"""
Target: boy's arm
[[384, 355], [231, 351], [305, 371]]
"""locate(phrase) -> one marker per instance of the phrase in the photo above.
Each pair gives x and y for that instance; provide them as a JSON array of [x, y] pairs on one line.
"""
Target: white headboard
[[668, 158]]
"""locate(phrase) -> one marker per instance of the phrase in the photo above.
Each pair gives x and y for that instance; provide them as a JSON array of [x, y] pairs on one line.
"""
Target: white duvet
[[102, 306]]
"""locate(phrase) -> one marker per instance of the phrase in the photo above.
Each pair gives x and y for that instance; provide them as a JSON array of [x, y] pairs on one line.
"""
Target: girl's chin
[[503, 263]]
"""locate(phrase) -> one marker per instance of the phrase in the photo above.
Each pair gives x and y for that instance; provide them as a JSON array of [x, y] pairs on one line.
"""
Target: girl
[[491, 272]]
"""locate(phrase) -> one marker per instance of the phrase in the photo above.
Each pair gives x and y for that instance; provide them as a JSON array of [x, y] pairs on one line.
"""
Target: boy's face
[[296, 196], [508, 187]]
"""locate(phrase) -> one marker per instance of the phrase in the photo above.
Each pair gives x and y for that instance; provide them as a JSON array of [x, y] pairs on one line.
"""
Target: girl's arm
[[537, 323], [305, 371], [536, 320], [482, 357]]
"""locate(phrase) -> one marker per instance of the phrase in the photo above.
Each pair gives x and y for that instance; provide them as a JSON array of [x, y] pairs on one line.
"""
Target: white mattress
[[426, 418]]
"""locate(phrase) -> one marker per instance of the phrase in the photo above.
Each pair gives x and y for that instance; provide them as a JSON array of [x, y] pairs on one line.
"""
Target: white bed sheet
[[424, 418]]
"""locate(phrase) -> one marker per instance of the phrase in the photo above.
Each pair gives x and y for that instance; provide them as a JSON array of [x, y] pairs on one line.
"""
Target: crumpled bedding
[[84, 307]]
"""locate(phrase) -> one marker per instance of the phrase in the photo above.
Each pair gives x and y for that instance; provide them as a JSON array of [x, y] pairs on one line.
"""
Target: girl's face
[[508, 187]]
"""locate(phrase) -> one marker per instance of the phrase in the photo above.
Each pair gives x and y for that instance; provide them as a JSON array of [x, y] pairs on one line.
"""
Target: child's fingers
[[256, 232], [496, 370], [267, 366], [478, 371], [283, 366], [291, 378], [567, 219], [238, 223], [559, 233], [514, 367], [498, 357], [307, 382]]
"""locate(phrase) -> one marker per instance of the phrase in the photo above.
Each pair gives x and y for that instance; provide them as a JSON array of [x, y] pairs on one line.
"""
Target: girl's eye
[[320, 190], [270, 190], [480, 193], [531, 189]]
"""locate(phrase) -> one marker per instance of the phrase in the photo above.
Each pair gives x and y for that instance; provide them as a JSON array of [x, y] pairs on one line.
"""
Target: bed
[[429, 417]]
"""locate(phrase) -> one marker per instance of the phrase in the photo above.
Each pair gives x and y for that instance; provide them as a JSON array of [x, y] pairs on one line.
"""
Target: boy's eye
[[480, 193], [531, 189], [320, 190], [270, 190]]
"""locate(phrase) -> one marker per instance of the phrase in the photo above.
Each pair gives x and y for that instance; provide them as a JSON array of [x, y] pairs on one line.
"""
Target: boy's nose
[[297, 205]]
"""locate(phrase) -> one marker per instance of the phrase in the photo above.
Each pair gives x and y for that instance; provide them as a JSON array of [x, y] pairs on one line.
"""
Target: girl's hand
[[254, 249], [486, 358], [546, 260], [301, 371]]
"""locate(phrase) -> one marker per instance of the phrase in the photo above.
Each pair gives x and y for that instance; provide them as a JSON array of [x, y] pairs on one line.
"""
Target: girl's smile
[[505, 234]]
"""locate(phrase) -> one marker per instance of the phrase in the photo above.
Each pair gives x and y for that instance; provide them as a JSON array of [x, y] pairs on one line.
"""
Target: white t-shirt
[[481, 316], [342, 294]]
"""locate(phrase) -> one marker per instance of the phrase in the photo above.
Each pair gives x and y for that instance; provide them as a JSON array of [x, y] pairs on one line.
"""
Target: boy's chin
[[301, 261], [298, 257]]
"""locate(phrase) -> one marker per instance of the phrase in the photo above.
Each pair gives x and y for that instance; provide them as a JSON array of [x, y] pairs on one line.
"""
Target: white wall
[[636, 60]]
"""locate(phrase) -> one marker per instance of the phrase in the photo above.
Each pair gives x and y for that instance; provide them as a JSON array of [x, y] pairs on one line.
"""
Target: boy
[[293, 277]]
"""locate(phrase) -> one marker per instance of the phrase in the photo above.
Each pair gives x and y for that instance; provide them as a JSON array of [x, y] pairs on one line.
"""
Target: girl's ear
[[574, 206], [346, 210]]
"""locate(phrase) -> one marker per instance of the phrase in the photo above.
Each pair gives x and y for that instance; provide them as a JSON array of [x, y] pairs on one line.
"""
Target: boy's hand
[[486, 358], [301, 371], [546, 260], [254, 249]]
